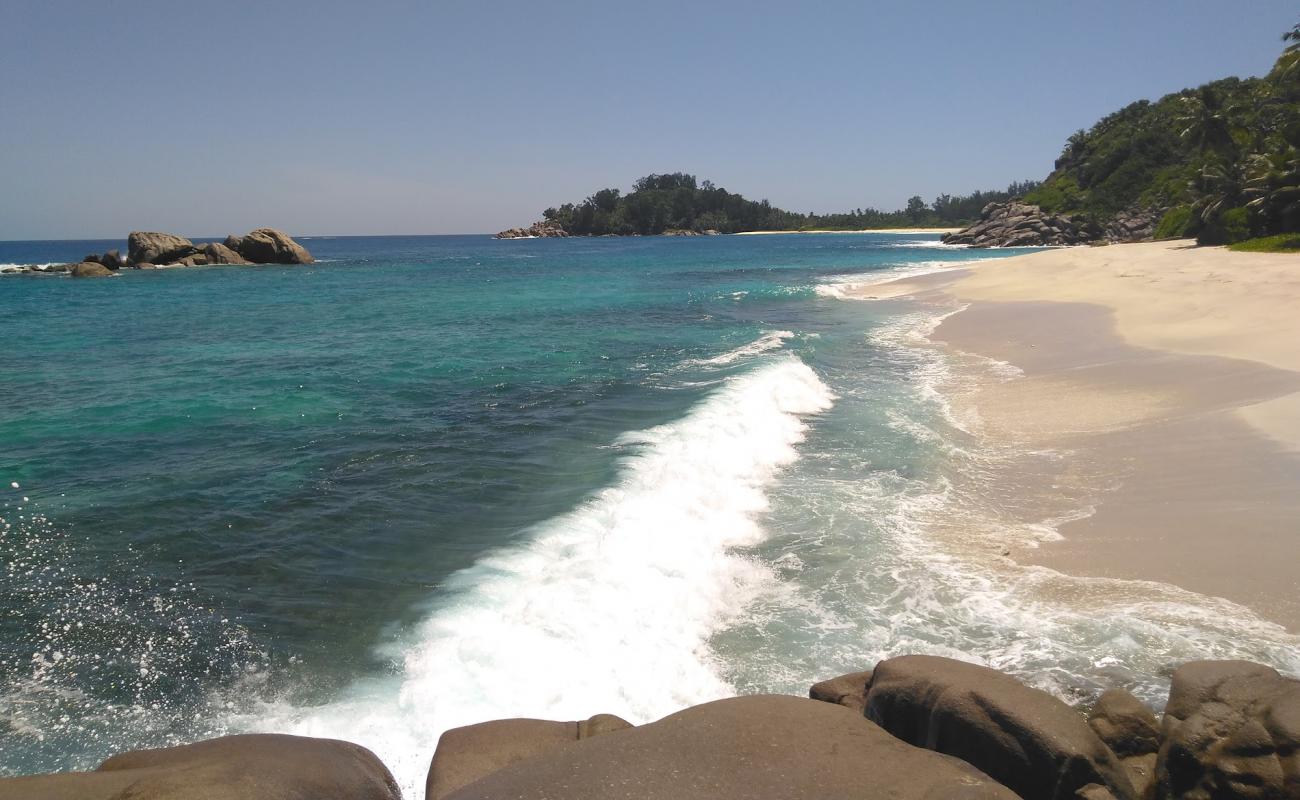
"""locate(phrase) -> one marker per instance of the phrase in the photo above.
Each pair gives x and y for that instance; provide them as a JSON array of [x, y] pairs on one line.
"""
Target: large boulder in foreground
[[849, 690], [156, 248], [231, 768], [270, 246], [1024, 738], [466, 754], [1231, 730], [1131, 731], [762, 747]]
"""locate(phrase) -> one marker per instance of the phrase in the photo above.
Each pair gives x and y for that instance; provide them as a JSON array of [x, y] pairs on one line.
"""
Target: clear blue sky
[[446, 117]]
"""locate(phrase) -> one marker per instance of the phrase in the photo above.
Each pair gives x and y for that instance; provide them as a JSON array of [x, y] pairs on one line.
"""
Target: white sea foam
[[844, 287], [23, 269], [881, 553], [1057, 631], [929, 244], [771, 340], [608, 608]]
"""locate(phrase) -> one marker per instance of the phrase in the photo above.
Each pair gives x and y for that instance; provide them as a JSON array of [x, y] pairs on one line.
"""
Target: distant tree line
[[678, 202]]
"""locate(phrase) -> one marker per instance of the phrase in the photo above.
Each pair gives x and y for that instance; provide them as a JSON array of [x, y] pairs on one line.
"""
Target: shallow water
[[434, 480]]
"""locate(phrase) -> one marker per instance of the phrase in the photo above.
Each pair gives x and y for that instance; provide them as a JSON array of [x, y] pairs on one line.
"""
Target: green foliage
[[1227, 144], [1281, 243], [1175, 224], [1058, 196], [1227, 227], [1224, 156], [677, 201], [1272, 188]]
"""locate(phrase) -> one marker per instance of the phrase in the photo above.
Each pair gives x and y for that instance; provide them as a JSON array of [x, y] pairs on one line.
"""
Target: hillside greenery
[[679, 202], [1221, 160]]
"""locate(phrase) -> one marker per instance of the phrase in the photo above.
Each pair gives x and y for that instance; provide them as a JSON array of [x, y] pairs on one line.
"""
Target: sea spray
[[608, 608], [97, 655]]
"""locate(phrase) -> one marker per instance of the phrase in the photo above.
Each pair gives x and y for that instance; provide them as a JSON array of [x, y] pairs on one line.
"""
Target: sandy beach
[[1168, 376]]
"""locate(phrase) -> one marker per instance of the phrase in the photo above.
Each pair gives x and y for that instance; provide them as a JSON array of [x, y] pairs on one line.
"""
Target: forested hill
[[1219, 161], [677, 202]]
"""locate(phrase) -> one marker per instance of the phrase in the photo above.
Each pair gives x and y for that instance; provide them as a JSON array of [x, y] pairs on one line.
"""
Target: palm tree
[[1272, 187], [1288, 64], [1204, 121], [1219, 186], [1292, 36]]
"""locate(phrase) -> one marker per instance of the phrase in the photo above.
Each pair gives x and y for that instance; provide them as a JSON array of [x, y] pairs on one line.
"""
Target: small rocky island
[[913, 728], [538, 230], [149, 250]]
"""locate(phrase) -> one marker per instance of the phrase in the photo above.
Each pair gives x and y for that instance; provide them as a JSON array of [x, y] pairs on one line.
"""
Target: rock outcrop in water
[[549, 230], [148, 250], [156, 248], [221, 254], [89, 269], [538, 230], [270, 246], [914, 728]]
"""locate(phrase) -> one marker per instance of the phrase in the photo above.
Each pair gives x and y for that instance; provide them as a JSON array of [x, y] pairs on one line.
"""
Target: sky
[[468, 117]]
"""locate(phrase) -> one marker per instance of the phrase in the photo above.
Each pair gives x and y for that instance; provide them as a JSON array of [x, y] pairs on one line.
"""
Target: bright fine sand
[[1168, 377]]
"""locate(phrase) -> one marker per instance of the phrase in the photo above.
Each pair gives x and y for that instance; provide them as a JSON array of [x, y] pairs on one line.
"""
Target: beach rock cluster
[[538, 230], [1134, 224], [149, 250], [1230, 730], [1016, 224], [913, 728]]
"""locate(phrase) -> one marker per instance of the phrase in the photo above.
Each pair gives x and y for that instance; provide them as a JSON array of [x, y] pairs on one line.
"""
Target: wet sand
[[1169, 380]]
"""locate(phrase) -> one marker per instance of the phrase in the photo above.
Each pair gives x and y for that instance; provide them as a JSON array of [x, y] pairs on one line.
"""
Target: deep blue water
[[431, 480]]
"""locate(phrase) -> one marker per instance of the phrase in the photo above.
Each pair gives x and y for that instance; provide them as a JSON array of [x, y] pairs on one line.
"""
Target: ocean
[[429, 481]]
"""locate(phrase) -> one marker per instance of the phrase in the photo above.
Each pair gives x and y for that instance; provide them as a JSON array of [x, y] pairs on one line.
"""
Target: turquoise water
[[434, 480]]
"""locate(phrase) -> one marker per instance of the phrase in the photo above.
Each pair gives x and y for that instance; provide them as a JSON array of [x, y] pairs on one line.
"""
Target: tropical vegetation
[[679, 202], [1281, 243], [1221, 160]]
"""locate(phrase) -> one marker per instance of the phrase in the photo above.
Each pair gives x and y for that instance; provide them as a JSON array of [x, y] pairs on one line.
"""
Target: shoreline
[[1169, 377], [864, 230]]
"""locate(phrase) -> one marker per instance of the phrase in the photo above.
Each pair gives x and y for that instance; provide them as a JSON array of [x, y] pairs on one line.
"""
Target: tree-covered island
[[678, 203]]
